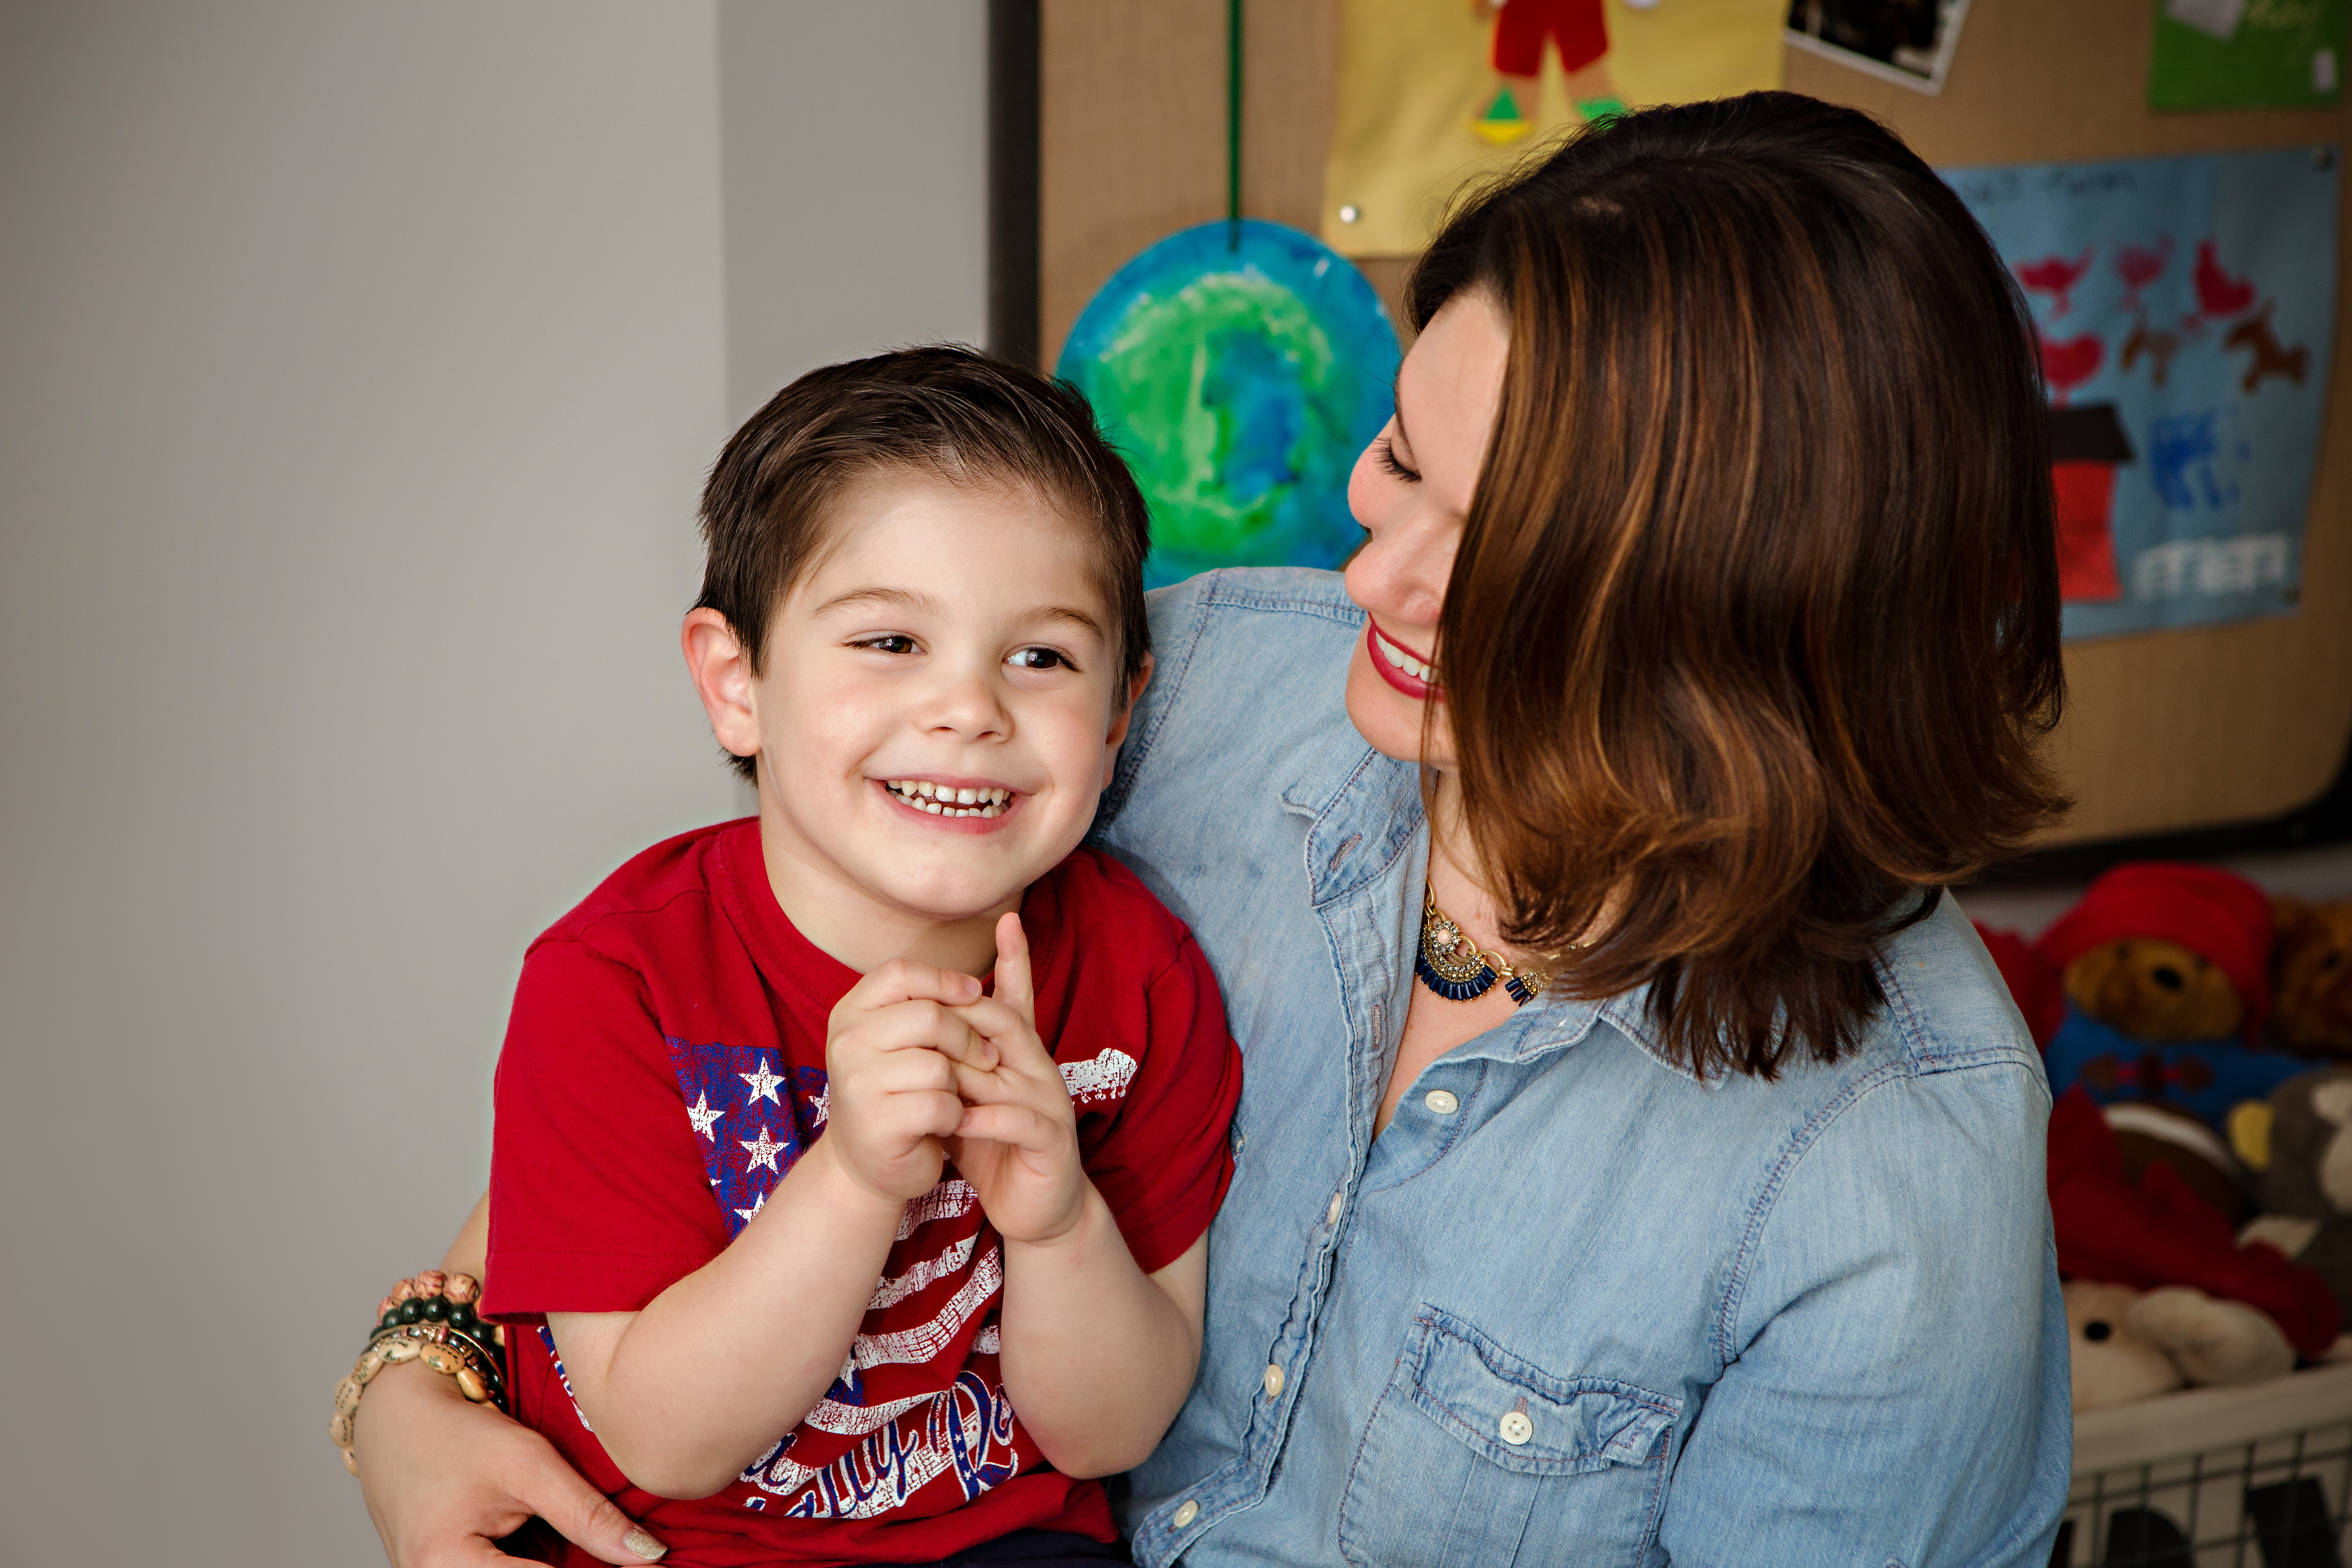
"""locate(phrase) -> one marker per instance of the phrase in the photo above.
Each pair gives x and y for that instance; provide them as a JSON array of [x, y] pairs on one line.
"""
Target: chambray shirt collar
[[1366, 828]]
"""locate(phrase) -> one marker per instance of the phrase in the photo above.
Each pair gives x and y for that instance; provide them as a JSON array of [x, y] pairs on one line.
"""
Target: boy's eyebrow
[[904, 598], [908, 599]]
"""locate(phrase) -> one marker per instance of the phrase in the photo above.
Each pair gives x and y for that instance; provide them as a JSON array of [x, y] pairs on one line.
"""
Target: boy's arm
[[685, 1391], [1098, 1355]]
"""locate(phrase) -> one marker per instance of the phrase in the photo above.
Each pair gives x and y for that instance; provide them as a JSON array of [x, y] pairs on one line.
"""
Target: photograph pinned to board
[[2247, 54], [1905, 41], [2185, 310], [1434, 94]]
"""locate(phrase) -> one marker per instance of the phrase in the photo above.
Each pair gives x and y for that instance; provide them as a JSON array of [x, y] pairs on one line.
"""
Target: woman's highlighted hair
[[1753, 630]]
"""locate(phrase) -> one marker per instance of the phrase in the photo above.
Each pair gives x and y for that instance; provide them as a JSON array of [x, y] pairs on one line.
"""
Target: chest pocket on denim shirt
[[1474, 1455]]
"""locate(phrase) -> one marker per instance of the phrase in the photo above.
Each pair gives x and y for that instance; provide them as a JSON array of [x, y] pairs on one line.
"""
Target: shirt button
[[1186, 1513], [1515, 1428], [1273, 1382], [1331, 1215], [1441, 1102]]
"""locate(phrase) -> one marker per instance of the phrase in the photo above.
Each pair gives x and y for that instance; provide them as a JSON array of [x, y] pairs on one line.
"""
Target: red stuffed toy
[[2157, 1232]]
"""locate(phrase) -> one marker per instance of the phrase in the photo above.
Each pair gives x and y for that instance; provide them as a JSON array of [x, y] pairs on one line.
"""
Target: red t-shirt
[[664, 1066]]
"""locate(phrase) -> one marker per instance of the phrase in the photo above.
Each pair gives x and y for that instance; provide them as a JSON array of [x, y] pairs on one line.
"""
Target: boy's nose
[[967, 703]]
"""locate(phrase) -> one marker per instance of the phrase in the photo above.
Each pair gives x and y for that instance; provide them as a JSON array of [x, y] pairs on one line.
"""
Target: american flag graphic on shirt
[[918, 1418]]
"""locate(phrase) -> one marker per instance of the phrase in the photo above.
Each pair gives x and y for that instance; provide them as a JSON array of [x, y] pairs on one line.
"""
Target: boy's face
[[949, 640]]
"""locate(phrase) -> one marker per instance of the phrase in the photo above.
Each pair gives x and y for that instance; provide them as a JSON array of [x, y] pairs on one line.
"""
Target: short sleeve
[[599, 1200], [1162, 1163]]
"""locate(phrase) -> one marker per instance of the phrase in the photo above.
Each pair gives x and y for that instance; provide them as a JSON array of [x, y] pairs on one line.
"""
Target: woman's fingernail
[[644, 1546]]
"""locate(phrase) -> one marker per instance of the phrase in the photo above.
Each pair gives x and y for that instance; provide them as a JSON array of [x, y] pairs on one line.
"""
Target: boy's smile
[[938, 712]]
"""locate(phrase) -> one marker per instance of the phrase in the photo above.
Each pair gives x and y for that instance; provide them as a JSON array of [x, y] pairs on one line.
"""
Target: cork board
[[2167, 730]]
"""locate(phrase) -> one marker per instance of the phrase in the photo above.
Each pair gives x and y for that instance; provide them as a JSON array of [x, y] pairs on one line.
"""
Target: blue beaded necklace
[[1457, 969]]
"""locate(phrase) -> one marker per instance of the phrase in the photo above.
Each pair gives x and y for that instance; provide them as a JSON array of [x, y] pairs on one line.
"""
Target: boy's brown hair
[[945, 413], [1753, 630]]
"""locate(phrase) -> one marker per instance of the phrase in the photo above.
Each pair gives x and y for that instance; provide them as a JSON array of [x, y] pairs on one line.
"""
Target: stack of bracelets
[[430, 1319]]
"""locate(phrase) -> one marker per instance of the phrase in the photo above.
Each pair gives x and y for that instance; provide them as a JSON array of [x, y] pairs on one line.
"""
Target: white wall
[[358, 366], [856, 158]]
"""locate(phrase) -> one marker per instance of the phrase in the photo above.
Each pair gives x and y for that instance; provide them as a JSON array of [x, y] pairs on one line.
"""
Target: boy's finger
[[906, 980], [1015, 1124], [1008, 1029], [927, 1025], [1012, 982]]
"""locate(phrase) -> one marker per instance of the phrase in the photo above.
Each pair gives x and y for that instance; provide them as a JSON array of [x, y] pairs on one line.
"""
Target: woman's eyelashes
[[1385, 449]]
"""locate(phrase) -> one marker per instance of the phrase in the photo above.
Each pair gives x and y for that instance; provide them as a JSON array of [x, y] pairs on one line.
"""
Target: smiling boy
[[819, 1253]]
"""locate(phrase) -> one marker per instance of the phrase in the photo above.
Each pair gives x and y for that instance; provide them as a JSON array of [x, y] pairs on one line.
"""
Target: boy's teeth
[[946, 800]]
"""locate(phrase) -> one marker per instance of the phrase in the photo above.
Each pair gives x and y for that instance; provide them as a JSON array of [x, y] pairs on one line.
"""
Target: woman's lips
[[1396, 663]]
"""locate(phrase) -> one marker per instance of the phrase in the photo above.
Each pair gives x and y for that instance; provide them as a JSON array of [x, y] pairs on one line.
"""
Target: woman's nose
[[1401, 572]]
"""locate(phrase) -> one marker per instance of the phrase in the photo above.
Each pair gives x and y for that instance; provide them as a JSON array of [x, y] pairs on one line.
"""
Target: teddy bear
[[2312, 977], [2165, 969], [2130, 1344], [2299, 1144]]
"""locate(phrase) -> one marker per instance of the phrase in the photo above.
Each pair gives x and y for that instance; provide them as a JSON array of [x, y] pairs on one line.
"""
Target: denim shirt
[[1574, 1305]]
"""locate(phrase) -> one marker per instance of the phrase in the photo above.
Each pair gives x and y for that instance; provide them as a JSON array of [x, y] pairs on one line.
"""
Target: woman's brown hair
[[1753, 629]]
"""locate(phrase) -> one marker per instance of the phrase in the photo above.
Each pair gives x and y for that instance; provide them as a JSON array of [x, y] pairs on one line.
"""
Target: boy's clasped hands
[[922, 1068]]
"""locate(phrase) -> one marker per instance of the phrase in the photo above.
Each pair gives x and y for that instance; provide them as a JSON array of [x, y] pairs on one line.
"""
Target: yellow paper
[[1415, 77]]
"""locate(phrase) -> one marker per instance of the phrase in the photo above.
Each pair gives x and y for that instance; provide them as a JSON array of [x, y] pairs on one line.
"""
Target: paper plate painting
[[1240, 368]]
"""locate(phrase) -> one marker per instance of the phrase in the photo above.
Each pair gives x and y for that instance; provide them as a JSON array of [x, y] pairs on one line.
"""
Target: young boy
[[816, 1250]]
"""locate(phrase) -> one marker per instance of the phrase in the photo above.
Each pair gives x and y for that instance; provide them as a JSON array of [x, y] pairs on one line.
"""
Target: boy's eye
[[1040, 658], [891, 642]]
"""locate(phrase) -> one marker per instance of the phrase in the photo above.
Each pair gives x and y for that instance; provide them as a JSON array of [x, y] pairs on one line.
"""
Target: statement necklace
[[1458, 970]]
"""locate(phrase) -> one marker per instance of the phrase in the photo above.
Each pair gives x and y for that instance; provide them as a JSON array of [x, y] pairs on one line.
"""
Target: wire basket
[[2215, 1477]]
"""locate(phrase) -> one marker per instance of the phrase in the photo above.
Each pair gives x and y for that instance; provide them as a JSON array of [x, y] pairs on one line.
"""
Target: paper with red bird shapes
[[2185, 311]]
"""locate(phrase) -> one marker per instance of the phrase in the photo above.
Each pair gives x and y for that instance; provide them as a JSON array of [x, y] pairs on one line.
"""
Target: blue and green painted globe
[[1240, 380]]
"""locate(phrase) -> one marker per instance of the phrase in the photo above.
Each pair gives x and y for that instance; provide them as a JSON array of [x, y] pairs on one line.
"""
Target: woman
[[1639, 1157]]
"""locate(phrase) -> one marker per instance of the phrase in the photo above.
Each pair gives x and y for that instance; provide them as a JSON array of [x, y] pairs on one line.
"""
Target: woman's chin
[[1385, 717]]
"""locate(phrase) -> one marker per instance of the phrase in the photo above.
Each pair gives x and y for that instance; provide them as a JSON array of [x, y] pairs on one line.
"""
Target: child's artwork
[[1905, 41], [1436, 93], [2245, 53], [1240, 368], [2185, 308]]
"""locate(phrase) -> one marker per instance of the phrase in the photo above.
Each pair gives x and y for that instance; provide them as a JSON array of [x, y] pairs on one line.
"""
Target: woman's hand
[[443, 1479], [1017, 1142]]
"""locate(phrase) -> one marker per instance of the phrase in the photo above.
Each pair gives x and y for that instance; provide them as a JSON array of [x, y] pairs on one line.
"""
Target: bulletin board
[[2166, 733]]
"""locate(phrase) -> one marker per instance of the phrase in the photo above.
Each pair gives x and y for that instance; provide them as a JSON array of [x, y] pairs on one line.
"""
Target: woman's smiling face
[[1411, 490]]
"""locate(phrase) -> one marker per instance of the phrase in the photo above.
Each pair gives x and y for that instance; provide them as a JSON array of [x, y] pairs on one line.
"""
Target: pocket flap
[[1523, 1418]]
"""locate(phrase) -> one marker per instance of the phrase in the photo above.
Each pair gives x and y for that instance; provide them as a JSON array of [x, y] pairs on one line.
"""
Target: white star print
[[761, 1150], [703, 1117], [821, 1105], [758, 1203], [763, 1083]]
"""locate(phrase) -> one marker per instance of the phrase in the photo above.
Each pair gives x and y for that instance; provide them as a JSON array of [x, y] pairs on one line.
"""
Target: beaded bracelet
[[430, 1319]]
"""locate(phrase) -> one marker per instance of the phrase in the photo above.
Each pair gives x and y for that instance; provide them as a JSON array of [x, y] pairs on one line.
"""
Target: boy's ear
[[1118, 720], [722, 672]]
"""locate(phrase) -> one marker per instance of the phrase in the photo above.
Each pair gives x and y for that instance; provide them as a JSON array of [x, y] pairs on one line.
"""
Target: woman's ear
[[722, 672]]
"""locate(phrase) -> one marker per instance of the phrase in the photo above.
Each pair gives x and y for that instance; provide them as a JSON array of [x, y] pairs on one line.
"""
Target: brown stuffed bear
[[2312, 978], [2155, 990]]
